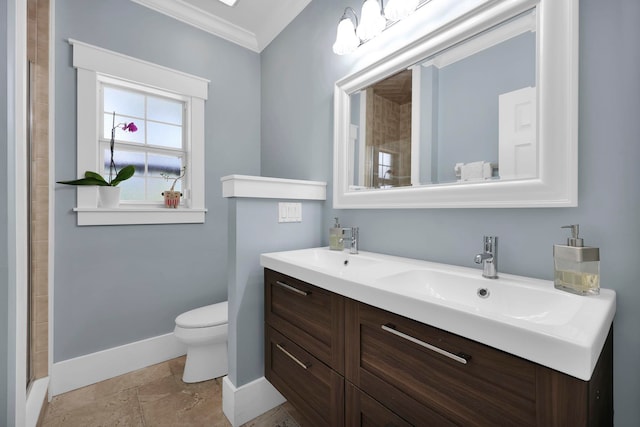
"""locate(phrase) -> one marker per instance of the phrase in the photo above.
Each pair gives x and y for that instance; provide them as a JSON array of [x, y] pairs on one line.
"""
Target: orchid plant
[[94, 178]]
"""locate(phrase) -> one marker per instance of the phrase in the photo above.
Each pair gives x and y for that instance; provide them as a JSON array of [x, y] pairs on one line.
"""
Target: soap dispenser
[[577, 267], [336, 243]]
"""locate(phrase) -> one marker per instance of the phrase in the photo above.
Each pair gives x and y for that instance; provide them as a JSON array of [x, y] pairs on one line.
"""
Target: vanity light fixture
[[396, 10], [346, 40], [350, 35], [371, 20]]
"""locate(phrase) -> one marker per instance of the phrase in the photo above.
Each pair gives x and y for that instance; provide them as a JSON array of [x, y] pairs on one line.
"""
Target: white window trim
[[91, 62]]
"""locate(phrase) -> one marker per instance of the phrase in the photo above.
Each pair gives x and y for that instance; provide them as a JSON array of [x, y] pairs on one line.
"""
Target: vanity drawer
[[364, 411], [310, 316], [314, 389], [455, 382]]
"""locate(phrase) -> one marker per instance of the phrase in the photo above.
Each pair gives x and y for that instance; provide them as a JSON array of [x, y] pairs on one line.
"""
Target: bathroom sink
[[500, 298], [324, 259], [520, 315]]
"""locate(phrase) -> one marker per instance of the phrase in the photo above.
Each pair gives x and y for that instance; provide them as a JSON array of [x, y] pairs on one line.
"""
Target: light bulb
[[346, 39], [371, 22], [396, 10]]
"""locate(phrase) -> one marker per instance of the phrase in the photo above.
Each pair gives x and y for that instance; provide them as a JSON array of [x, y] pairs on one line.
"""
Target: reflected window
[[385, 171]]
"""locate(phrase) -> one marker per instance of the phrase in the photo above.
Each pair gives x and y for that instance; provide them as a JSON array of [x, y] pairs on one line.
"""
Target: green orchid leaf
[[85, 181], [90, 174], [124, 174]]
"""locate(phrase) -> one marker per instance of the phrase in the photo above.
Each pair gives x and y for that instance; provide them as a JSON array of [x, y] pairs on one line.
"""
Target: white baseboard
[[246, 402], [35, 400], [95, 367]]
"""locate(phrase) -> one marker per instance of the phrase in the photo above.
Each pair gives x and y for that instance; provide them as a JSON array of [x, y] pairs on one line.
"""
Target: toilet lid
[[210, 315]]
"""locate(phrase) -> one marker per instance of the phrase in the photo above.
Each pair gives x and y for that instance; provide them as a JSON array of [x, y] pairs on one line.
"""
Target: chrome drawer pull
[[292, 357], [462, 358], [292, 289]]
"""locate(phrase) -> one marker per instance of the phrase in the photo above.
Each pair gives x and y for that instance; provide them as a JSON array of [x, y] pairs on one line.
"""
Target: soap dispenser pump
[[336, 243], [577, 267]]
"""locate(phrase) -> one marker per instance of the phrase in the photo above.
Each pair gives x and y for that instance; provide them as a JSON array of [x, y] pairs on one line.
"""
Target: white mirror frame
[[557, 113]]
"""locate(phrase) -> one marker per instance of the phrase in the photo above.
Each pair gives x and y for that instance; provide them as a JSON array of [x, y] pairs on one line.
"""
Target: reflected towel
[[475, 171], [471, 171]]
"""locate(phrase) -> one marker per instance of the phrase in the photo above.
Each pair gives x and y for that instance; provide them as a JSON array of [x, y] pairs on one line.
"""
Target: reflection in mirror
[[384, 110], [473, 108]]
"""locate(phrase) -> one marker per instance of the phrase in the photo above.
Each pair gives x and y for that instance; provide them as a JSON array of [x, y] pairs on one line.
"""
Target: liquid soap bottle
[[335, 237], [577, 267]]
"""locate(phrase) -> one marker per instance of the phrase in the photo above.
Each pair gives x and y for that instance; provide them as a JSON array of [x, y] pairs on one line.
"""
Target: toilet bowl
[[204, 331]]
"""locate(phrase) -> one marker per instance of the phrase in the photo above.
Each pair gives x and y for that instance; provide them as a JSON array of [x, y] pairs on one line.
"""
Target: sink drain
[[483, 292]]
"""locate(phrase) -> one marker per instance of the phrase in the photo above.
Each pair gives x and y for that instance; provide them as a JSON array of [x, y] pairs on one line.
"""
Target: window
[[167, 107], [156, 148]]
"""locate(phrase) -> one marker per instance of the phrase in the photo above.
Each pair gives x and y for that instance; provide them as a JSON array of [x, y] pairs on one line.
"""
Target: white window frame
[[92, 64]]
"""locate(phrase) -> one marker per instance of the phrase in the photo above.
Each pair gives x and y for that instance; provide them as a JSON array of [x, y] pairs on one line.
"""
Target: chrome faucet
[[353, 238], [489, 258]]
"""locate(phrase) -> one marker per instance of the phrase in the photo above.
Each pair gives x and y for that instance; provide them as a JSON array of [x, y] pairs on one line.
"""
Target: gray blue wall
[[4, 226], [468, 93], [254, 229], [297, 138], [119, 284]]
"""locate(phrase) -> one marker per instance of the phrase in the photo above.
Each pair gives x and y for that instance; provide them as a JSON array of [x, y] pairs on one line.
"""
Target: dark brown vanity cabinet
[[424, 373], [427, 375], [314, 389], [363, 410], [304, 347], [399, 372]]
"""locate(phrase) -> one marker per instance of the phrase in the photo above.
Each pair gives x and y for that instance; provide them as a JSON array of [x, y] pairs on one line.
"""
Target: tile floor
[[153, 396]]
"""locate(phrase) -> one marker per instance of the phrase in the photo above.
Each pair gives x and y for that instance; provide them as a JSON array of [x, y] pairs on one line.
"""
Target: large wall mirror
[[481, 112]]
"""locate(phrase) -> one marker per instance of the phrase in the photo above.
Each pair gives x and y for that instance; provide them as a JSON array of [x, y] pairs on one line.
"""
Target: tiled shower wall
[[389, 127], [38, 53]]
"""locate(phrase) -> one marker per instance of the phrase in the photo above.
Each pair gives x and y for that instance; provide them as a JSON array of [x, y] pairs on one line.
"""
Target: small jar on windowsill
[[171, 198]]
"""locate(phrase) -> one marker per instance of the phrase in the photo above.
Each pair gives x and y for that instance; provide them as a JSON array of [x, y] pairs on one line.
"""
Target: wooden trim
[[93, 64], [272, 188], [108, 62]]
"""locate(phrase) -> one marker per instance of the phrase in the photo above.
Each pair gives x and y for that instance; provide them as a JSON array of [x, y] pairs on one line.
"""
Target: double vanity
[[372, 339]]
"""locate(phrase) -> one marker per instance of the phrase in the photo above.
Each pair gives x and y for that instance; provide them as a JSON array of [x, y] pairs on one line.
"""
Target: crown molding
[[203, 20]]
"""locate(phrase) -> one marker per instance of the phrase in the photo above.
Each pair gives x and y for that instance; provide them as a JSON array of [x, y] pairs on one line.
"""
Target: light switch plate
[[289, 212]]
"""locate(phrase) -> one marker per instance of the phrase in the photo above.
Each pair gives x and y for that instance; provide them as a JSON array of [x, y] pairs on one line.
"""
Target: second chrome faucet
[[353, 238], [489, 257]]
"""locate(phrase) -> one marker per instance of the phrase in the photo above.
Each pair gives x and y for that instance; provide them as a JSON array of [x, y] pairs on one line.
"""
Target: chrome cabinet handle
[[292, 357], [292, 289], [462, 358]]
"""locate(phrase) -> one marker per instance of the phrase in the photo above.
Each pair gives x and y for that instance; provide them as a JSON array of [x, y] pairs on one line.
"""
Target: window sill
[[126, 216]]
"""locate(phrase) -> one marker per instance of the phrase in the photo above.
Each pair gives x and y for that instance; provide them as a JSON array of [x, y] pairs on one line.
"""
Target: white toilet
[[204, 331]]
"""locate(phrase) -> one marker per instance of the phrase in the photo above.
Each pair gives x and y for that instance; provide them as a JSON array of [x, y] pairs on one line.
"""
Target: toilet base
[[205, 363]]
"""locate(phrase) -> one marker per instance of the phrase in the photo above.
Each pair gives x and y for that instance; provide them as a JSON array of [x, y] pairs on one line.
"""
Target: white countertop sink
[[522, 316]]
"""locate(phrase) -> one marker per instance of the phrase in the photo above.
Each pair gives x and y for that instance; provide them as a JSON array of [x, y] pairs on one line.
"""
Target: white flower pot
[[108, 197]]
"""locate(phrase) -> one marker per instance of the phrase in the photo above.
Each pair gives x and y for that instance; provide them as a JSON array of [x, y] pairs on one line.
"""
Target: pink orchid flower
[[131, 127]]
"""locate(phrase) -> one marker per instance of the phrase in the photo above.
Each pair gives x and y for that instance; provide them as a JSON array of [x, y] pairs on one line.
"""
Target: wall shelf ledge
[[272, 188]]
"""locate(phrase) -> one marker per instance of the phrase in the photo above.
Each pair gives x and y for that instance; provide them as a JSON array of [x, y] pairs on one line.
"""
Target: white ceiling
[[250, 23]]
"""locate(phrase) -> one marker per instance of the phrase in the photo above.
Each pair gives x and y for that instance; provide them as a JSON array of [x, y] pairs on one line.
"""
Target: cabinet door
[[314, 389], [431, 377], [363, 411], [310, 316]]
